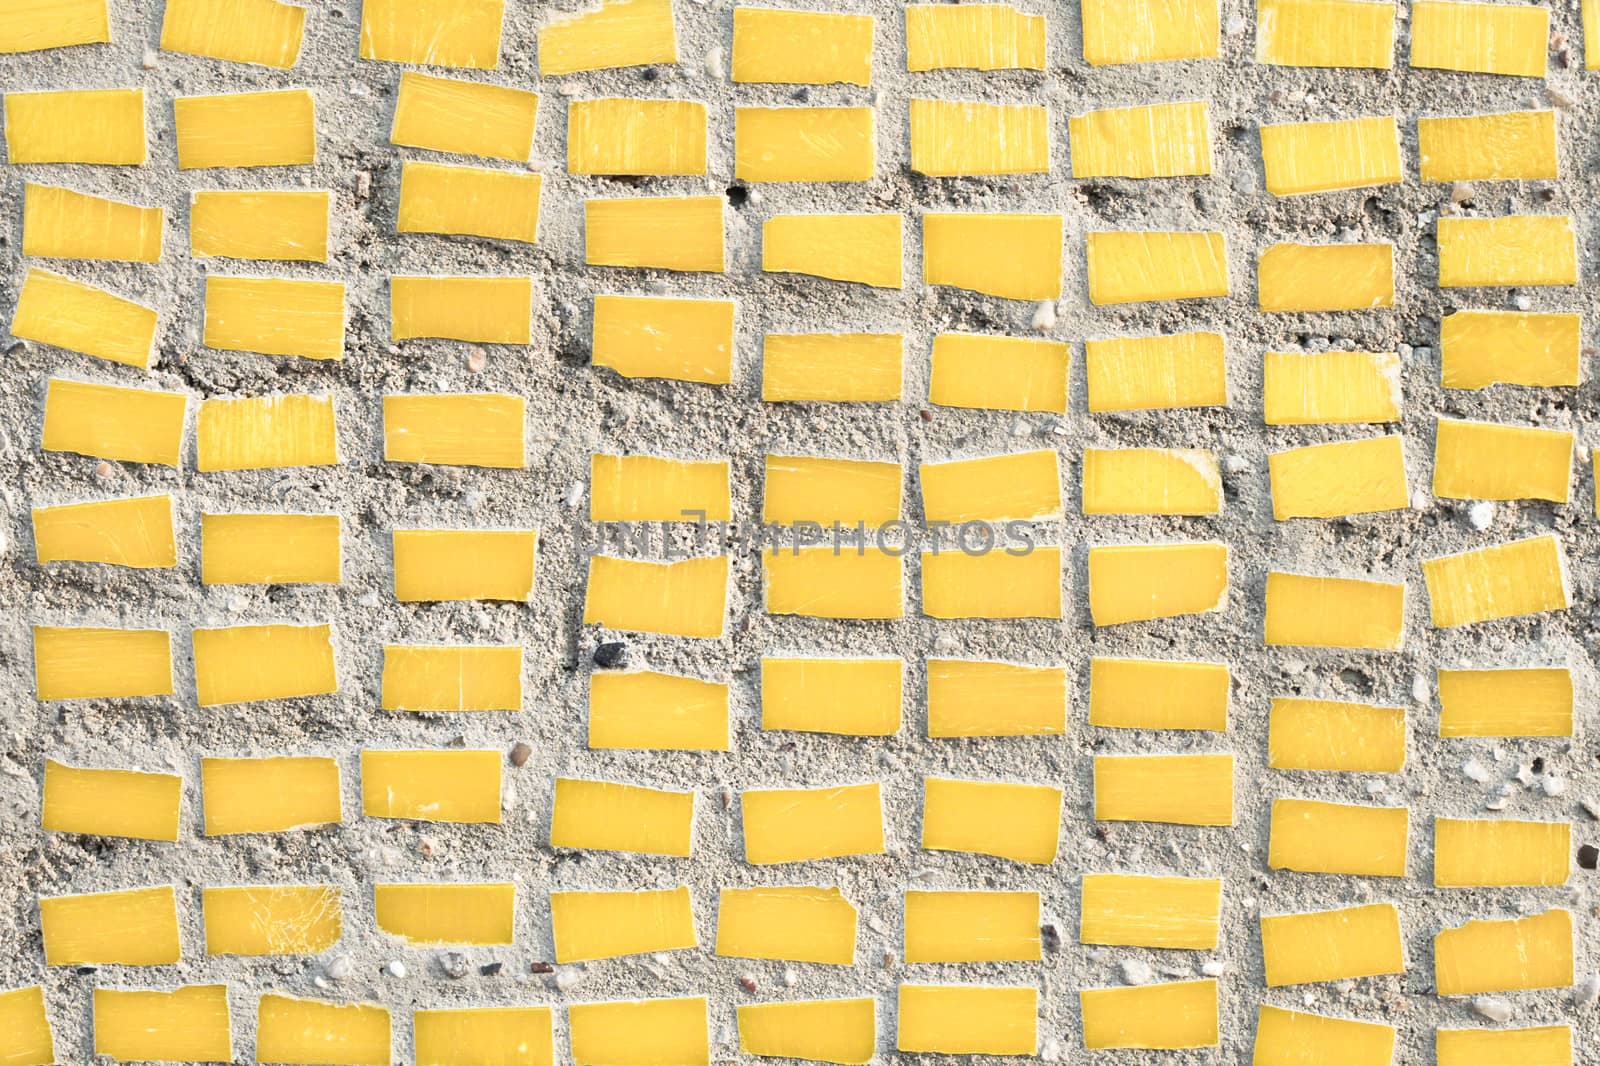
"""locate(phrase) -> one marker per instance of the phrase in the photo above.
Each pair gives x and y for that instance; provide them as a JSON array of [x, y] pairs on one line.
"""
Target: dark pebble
[[491, 969], [520, 753], [610, 655], [1588, 856], [747, 983], [1050, 937], [541, 967]]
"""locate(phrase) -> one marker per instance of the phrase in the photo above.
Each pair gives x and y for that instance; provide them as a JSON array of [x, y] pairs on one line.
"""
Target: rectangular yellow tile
[[995, 585], [268, 795], [431, 786], [1014, 256], [647, 488], [455, 429], [1022, 485], [794, 923], [1157, 372], [95, 126], [23, 1021], [967, 1019], [1505, 703], [824, 583], [243, 664], [266, 129], [275, 316], [515, 1036], [618, 33], [266, 433], [800, 488], [1332, 945], [188, 1024], [863, 248], [1156, 694], [1310, 734], [1526, 576], [446, 913], [1315, 388], [1177, 789], [665, 712], [136, 927], [643, 1032], [60, 223], [1491, 461], [259, 225], [664, 232], [265, 33], [1472, 853], [1338, 838], [1500, 146], [831, 367], [821, 1030], [971, 926], [56, 310], [1548, 1045], [801, 47], [1141, 582], [1325, 277], [791, 144], [1513, 250], [1510, 955], [1004, 819], [1491, 38], [851, 697], [1325, 33], [1310, 157], [1334, 612], [619, 135], [135, 532], [110, 803], [34, 25], [452, 677], [1296, 1038], [999, 373], [968, 698], [1141, 266], [1167, 481], [685, 599], [609, 925], [1339, 479], [1125, 910], [663, 337], [464, 117], [959, 138], [1591, 35], [269, 549], [81, 662], [973, 37], [438, 33], [1482, 348], [803, 824], [1149, 141], [470, 201], [1169, 1015], [272, 919], [484, 309], [305, 1031], [605, 816], [1149, 31]]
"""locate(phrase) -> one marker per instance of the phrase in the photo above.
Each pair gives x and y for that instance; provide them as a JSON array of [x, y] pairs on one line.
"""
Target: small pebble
[[477, 359], [1590, 807], [1051, 1051], [574, 493], [541, 967], [363, 185], [888, 959], [150, 61], [427, 847], [790, 978], [1587, 994], [339, 967], [1419, 689], [1212, 968], [1375, 786], [322, 982], [454, 964], [1234, 26], [1044, 316], [1476, 771], [1553, 785], [714, 63], [520, 753], [747, 982], [491, 969], [1522, 302], [925, 414], [1492, 1007], [568, 978], [395, 968], [1050, 936], [1525, 776], [103, 469], [1588, 856], [1235, 464], [1480, 515], [1461, 192], [611, 655], [1135, 972]]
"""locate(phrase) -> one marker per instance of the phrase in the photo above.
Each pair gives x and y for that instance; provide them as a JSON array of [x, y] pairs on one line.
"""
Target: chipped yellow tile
[[268, 795], [1339, 479], [1156, 372], [1167, 481], [1000, 818], [973, 37], [1485, 38], [267, 129], [1150, 141], [665, 712], [664, 232], [1309, 734], [1505, 703], [801, 488], [1512, 250], [664, 337], [967, 1019], [793, 144], [1317, 388], [822, 583], [1510, 955], [1482, 348], [464, 117], [1141, 582], [437, 33], [81, 662], [957, 138], [1527, 576], [440, 565], [996, 584], [610, 925], [1141, 266], [970, 698], [1296, 1038], [269, 549], [1022, 485], [446, 913], [1307, 157], [803, 824], [1125, 910], [243, 664], [605, 816], [1177, 789], [1491, 461], [801, 47], [275, 316], [96, 126], [1546, 1045], [647, 488], [1325, 277], [56, 310], [110, 803], [1501, 146], [831, 367], [294, 1030], [999, 373], [471, 201], [111, 422], [135, 532], [266, 433], [34, 25], [1014, 256], [1168, 1015], [1332, 945], [187, 1024], [455, 429], [266, 33], [971, 926], [518, 1036], [620, 135], [272, 919], [60, 223], [617, 33], [23, 1022], [1473, 853], [793, 923], [136, 927], [1338, 838], [431, 786], [863, 248], [852, 697], [1334, 612], [452, 677], [1149, 31], [481, 308], [1325, 33], [641, 1032], [259, 225], [1158, 694], [682, 599], [822, 1030]]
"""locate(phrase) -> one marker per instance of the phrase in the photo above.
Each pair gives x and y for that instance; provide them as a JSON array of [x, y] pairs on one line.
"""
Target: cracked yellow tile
[[642, 709], [792, 144], [1501, 146], [135, 927], [664, 337], [1312, 734], [452, 677], [823, 1030], [265, 129], [29, 1039], [259, 225], [484, 309], [1339, 479], [996, 584], [641, 1032], [610, 925], [805, 824], [1482, 348], [1142, 266], [1310, 836], [960, 138], [664, 232], [1492, 461], [308, 1030], [1149, 31], [440, 565], [521, 1036], [110, 803], [1014, 256], [186, 1024], [1545, 1045], [1325, 277], [1164, 1016], [790, 923], [999, 373], [850, 697], [60, 223], [1175, 789], [1332, 945], [1158, 694], [1124, 910], [647, 488], [96, 126], [136, 531], [1022, 485], [972, 698], [1510, 955], [266, 433], [268, 795], [470, 201], [438, 33], [606, 816], [1527, 576], [243, 664], [863, 248], [35, 25], [973, 37], [483, 429], [967, 1019], [1020, 822], [971, 926], [1156, 372], [682, 599], [431, 786], [269, 549], [1474, 853], [621, 135], [111, 422], [1310, 157], [1150, 141], [1325, 33], [1513, 250], [822, 583], [275, 316], [1165, 481], [265, 33], [464, 117], [617, 33], [59, 311], [84, 662], [1141, 582], [1318, 388], [801, 488], [1297, 1038], [1505, 703], [272, 919], [454, 913], [1334, 612], [1484, 38], [801, 47], [832, 367]]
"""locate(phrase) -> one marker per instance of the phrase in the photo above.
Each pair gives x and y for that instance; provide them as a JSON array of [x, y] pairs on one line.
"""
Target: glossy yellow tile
[[644, 1032], [469, 201], [973, 37], [266, 433], [850, 697], [1309, 157], [1158, 694], [971, 926], [483, 309], [1509, 955], [647, 488], [269, 549], [644, 709], [605, 816], [790, 144], [801, 488], [94, 126], [960, 138], [1125, 910], [135, 927], [439, 33], [135, 532], [1482, 348], [457, 785], [967, 1019], [1500, 146], [1333, 735], [1297, 1038], [1149, 141], [275, 316], [1332, 945], [662, 337], [259, 225], [617, 33], [1000, 818], [59, 311], [794, 923], [42, 24], [1166, 481], [268, 795], [1177, 789], [1505, 703], [446, 913], [23, 1021], [822, 1030], [801, 47], [243, 664], [265, 33], [619, 135], [59, 223], [1141, 266], [970, 698], [993, 585], [1526, 576], [310, 1031], [999, 373], [664, 232], [515, 1036], [1340, 479], [1149, 31], [1338, 838], [1169, 1015], [1513, 250], [110, 803], [1334, 612], [1022, 485], [452, 677], [1325, 277], [1142, 582], [187, 1024], [1156, 372], [1325, 33], [1316, 388], [1014, 256], [1485, 38], [1546, 1045], [1492, 461], [436, 565], [464, 117], [863, 248], [84, 662], [1479, 852], [822, 583], [264, 129], [832, 367], [804, 824], [455, 429], [682, 599], [272, 919]]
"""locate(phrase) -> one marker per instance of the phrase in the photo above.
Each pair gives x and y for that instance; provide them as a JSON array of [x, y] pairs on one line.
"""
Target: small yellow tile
[[188, 1024], [431, 786], [259, 225], [804, 824], [831, 367], [1521, 577], [1510, 955], [243, 664], [269, 549], [999, 373], [41, 24], [1332, 945], [266, 433], [973, 37], [662, 337], [800, 488], [1308, 157], [1022, 485], [456, 429], [1591, 35], [863, 248], [266, 129], [821, 1030], [801, 47], [1482, 348], [605, 816], [470, 201], [1165, 481], [1316, 388], [646, 488], [1501, 146], [666, 712], [619, 135], [1017, 257], [999, 818], [646, 1032], [1473, 853], [464, 117], [663, 232], [993, 585], [969, 698], [1325, 33], [1141, 266], [23, 1021], [437, 565], [1505, 703], [1309, 734], [617, 33], [789, 144], [967, 1019], [136, 927], [1547, 1045], [307, 1031], [452, 677], [80, 662], [1491, 38], [1334, 612], [446, 913], [1336, 480], [958, 138], [515, 1036], [1513, 250], [438, 33], [1149, 31], [1177, 789], [823, 583], [609, 925], [268, 795], [1158, 694], [1169, 1015], [683, 599], [128, 425], [135, 532], [59, 223], [1491, 461], [272, 919], [971, 926], [1296, 1038], [1338, 838], [94, 126], [110, 803], [1124, 910], [1150, 141], [1156, 373], [275, 316], [483, 309], [794, 923], [266, 33], [1325, 277], [1141, 582], [59, 311], [851, 697]]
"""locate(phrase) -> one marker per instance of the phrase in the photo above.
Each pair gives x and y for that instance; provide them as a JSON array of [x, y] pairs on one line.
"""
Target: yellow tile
[[795, 923], [259, 225], [59, 311], [1004, 819], [1150, 141], [999, 373], [822, 1030], [1334, 612], [1141, 582], [1154, 373], [275, 316], [1481, 348], [971, 926], [802, 824], [1591, 35], [662, 337], [1332, 945], [438, 33], [1155, 694], [1014, 256], [1295, 1038], [1307, 734], [455, 429], [823, 583], [663, 712], [243, 664], [647, 488], [1513, 250], [604, 816], [60, 223], [973, 37], [464, 117], [789, 144], [34, 25], [1172, 1014], [268, 129], [269, 549], [431, 786], [1339, 479], [800, 488], [645, 1032], [995, 585], [620, 135], [1140, 266], [618, 33], [293, 1030], [136, 532], [863, 248], [1307, 157], [1471, 853], [1325, 277], [1167, 481], [801, 47], [1505, 703], [1548, 1045], [76, 663], [484, 309], [1151, 912], [446, 913], [831, 367], [188, 1024], [1490, 461], [1325, 33], [473, 201], [967, 698], [1149, 31], [266, 433], [267, 33], [1178, 789], [1501, 146], [1490, 38], [24, 1025], [1505, 956], [514, 1036], [664, 232], [137, 927], [968, 1019], [111, 803], [682, 599], [1315, 388], [956, 138], [98, 126], [272, 919], [268, 795], [608, 925], [452, 677], [1503, 581], [1022, 485], [852, 697], [1338, 838]]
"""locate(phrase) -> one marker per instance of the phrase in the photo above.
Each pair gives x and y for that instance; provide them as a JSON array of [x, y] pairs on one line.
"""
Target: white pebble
[[790, 978], [1212, 968], [1522, 302], [567, 977], [1587, 994], [1135, 972], [1480, 515], [368, 598], [395, 968], [1375, 786], [1476, 771], [1492, 1007], [339, 967], [322, 982], [1051, 1051], [574, 493], [714, 63], [1235, 464], [1553, 785], [1419, 689], [1044, 316], [1234, 26]]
